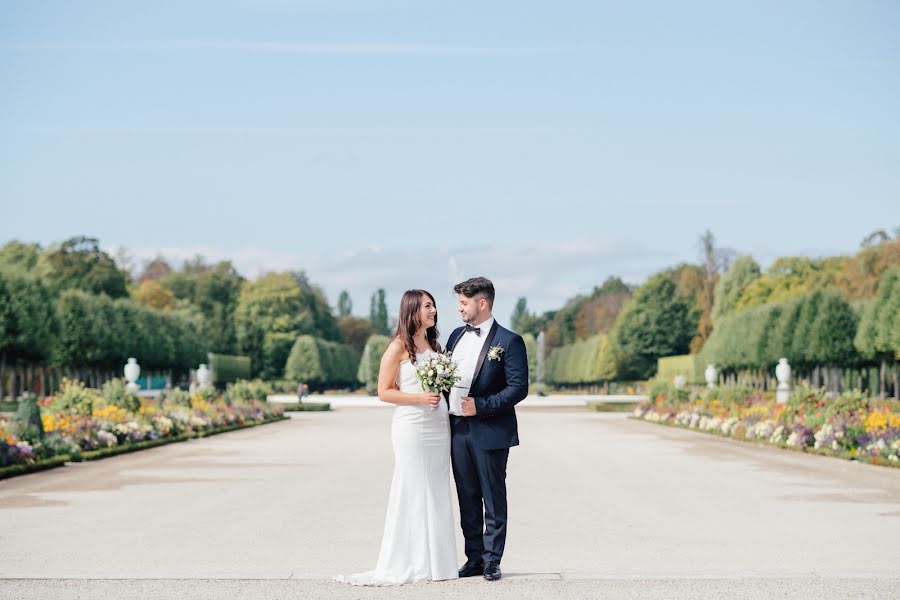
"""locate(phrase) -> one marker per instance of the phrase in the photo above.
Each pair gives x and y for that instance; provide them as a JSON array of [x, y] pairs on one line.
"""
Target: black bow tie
[[477, 330]]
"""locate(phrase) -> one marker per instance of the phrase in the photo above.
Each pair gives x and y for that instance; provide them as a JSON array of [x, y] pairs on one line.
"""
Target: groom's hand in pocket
[[468, 406]]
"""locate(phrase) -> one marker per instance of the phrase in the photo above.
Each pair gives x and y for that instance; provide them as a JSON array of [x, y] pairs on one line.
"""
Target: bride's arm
[[387, 379]]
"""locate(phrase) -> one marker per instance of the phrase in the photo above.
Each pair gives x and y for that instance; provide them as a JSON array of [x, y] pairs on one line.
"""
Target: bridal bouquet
[[437, 373]]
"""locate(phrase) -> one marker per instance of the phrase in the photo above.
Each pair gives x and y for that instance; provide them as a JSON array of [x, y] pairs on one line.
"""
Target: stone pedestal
[[710, 374], [132, 372], [783, 373]]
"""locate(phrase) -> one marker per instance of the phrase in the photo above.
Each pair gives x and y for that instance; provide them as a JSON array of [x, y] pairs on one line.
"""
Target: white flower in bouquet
[[437, 373]]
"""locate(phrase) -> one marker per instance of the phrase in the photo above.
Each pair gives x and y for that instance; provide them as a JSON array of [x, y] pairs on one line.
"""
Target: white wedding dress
[[419, 542]]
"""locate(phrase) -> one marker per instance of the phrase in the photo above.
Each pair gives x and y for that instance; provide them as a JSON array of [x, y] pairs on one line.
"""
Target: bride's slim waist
[[419, 412]]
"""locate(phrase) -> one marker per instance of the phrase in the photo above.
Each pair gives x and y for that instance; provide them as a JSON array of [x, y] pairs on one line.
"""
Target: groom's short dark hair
[[475, 286]]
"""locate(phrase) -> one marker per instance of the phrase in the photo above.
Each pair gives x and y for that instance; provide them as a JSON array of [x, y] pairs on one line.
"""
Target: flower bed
[[849, 426], [81, 424]]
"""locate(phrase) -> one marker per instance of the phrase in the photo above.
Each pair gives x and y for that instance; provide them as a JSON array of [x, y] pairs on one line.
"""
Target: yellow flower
[[49, 423], [877, 421], [893, 420]]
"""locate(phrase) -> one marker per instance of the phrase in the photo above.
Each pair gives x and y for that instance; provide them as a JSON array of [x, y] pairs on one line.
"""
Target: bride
[[419, 540]]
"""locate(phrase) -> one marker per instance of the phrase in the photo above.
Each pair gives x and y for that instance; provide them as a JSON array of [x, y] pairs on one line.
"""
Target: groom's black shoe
[[492, 570], [471, 568]]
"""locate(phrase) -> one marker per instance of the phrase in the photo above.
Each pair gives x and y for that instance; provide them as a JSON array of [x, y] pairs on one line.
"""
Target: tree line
[[74, 307], [820, 314]]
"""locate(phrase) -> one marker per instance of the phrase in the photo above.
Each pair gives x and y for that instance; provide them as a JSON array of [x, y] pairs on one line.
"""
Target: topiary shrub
[[29, 417]]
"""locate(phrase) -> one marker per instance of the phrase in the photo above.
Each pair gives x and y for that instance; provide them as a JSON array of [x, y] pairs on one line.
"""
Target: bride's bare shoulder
[[395, 351]]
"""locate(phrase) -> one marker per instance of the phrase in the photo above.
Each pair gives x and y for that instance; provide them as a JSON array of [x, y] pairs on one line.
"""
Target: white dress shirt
[[466, 353]]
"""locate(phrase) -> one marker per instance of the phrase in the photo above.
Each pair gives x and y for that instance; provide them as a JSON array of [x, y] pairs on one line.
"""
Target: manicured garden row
[[81, 424], [850, 426], [61, 460]]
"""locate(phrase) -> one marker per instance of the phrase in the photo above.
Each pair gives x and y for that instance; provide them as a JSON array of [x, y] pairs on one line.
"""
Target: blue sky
[[414, 144]]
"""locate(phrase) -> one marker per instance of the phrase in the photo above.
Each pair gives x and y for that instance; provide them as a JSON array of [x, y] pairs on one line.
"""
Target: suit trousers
[[481, 488]]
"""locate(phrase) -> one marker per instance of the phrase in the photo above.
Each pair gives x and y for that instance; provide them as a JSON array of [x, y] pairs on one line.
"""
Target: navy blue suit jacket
[[497, 387]]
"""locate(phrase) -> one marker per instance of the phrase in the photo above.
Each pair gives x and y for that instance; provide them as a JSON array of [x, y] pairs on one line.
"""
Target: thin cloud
[[336, 48]]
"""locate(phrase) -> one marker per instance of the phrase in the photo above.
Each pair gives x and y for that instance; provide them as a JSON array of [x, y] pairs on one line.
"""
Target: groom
[[494, 366]]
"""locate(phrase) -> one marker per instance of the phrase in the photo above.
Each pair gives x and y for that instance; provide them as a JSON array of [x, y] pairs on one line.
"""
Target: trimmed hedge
[[322, 364], [369, 364], [227, 368], [308, 407], [689, 365], [810, 330], [592, 360]]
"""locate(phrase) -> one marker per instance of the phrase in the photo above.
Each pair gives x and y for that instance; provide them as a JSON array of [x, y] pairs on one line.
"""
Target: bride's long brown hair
[[409, 323]]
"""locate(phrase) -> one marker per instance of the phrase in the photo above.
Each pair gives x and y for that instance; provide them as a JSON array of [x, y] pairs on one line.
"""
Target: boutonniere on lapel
[[494, 353]]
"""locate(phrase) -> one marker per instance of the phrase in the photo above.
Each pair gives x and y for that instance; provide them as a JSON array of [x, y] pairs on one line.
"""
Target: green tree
[[802, 336], [156, 269], [657, 322], [789, 277], [27, 319], [19, 256], [150, 293], [324, 324], [531, 353], [96, 331], [598, 313], [86, 338], [276, 349], [269, 306], [214, 290], [780, 340], [876, 335], [321, 363], [355, 332], [272, 312], [345, 305], [519, 313], [731, 285], [80, 264], [832, 333], [370, 363], [378, 313]]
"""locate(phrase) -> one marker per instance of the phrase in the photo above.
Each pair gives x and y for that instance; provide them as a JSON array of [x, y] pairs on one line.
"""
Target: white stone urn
[[783, 373], [710, 374], [204, 377], [680, 381], [132, 372]]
